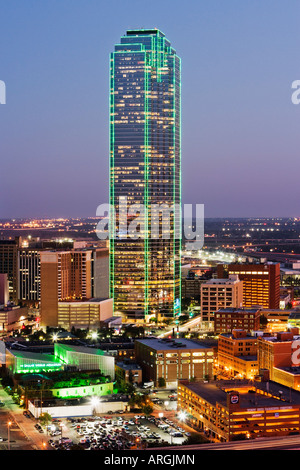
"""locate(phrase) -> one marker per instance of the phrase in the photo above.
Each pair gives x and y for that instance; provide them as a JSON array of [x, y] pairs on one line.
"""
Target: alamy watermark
[[296, 352], [154, 221], [2, 92], [296, 94]]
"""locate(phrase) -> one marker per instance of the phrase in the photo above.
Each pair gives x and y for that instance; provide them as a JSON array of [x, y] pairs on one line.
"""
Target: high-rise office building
[[220, 293], [9, 265], [29, 277], [145, 161], [65, 276], [261, 283]]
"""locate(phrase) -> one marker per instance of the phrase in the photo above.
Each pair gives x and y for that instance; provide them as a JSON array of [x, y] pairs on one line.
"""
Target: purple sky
[[240, 130]]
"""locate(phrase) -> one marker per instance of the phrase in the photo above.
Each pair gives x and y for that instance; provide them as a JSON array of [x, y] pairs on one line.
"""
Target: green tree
[[147, 409], [45, 419], [161, 382]]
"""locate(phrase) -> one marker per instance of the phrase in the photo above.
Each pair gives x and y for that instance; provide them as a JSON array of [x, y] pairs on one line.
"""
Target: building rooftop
[[79, 349], [238, 310], [276, 395], [38, 357], [128, 366], [227, 281], [171, 344]]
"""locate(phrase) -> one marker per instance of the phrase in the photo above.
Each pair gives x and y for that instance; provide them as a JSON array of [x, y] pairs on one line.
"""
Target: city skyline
[[239, 126]]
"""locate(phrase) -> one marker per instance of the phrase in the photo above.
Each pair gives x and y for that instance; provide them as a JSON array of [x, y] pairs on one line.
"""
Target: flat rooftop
[[238, 310], [172, 344], [79, 349], [129, 366], [278, 395], [39, 357]]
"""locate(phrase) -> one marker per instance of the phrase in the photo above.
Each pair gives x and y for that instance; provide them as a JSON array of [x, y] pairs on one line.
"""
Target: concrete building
[[220, 293], [65, 275], [12, 317], [91, 314], [173, 360]]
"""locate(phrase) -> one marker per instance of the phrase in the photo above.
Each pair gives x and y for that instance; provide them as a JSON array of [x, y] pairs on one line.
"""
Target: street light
[[8, 434], [182, 416], [95, 402]]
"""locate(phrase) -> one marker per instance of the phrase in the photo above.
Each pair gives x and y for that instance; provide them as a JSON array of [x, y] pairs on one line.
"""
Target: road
[[182, 328], [23, 435], [276, 443]]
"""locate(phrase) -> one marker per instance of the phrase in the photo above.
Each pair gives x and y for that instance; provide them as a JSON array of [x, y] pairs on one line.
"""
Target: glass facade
[[145, 170]]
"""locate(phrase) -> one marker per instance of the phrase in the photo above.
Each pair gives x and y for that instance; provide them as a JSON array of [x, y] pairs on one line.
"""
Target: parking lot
[[115, 432]]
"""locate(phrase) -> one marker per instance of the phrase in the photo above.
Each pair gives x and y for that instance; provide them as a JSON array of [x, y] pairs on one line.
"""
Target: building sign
[[234, 398]]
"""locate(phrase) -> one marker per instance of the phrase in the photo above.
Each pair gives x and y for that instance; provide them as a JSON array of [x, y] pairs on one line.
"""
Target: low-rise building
[[173, 360], [225, 410], [85, 358], [220, 293], [228, 319], [84, 314], [276, 351], [237, 354], [128, 372]]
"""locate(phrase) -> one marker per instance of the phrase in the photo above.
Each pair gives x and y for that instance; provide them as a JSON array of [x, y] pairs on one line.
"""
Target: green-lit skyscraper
[[145, 169]]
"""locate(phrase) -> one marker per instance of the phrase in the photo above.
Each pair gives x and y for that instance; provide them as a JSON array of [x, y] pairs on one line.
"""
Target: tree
[[147, 409], [161, 382], [45, 419]]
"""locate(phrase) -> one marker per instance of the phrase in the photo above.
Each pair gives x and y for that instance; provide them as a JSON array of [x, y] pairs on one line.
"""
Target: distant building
[[228, 319], [12, 317], [220, 293], [29, 275], [294, 318], [100, 272], [9, 265], [4, 289], [173, 360], [261, 283], [190, 288]]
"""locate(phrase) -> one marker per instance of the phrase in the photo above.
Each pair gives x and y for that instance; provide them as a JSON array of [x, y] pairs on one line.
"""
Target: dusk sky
[[240, 129]]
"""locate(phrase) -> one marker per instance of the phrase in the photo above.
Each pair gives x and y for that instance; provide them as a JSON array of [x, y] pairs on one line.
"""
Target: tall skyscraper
[[145, 170]]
